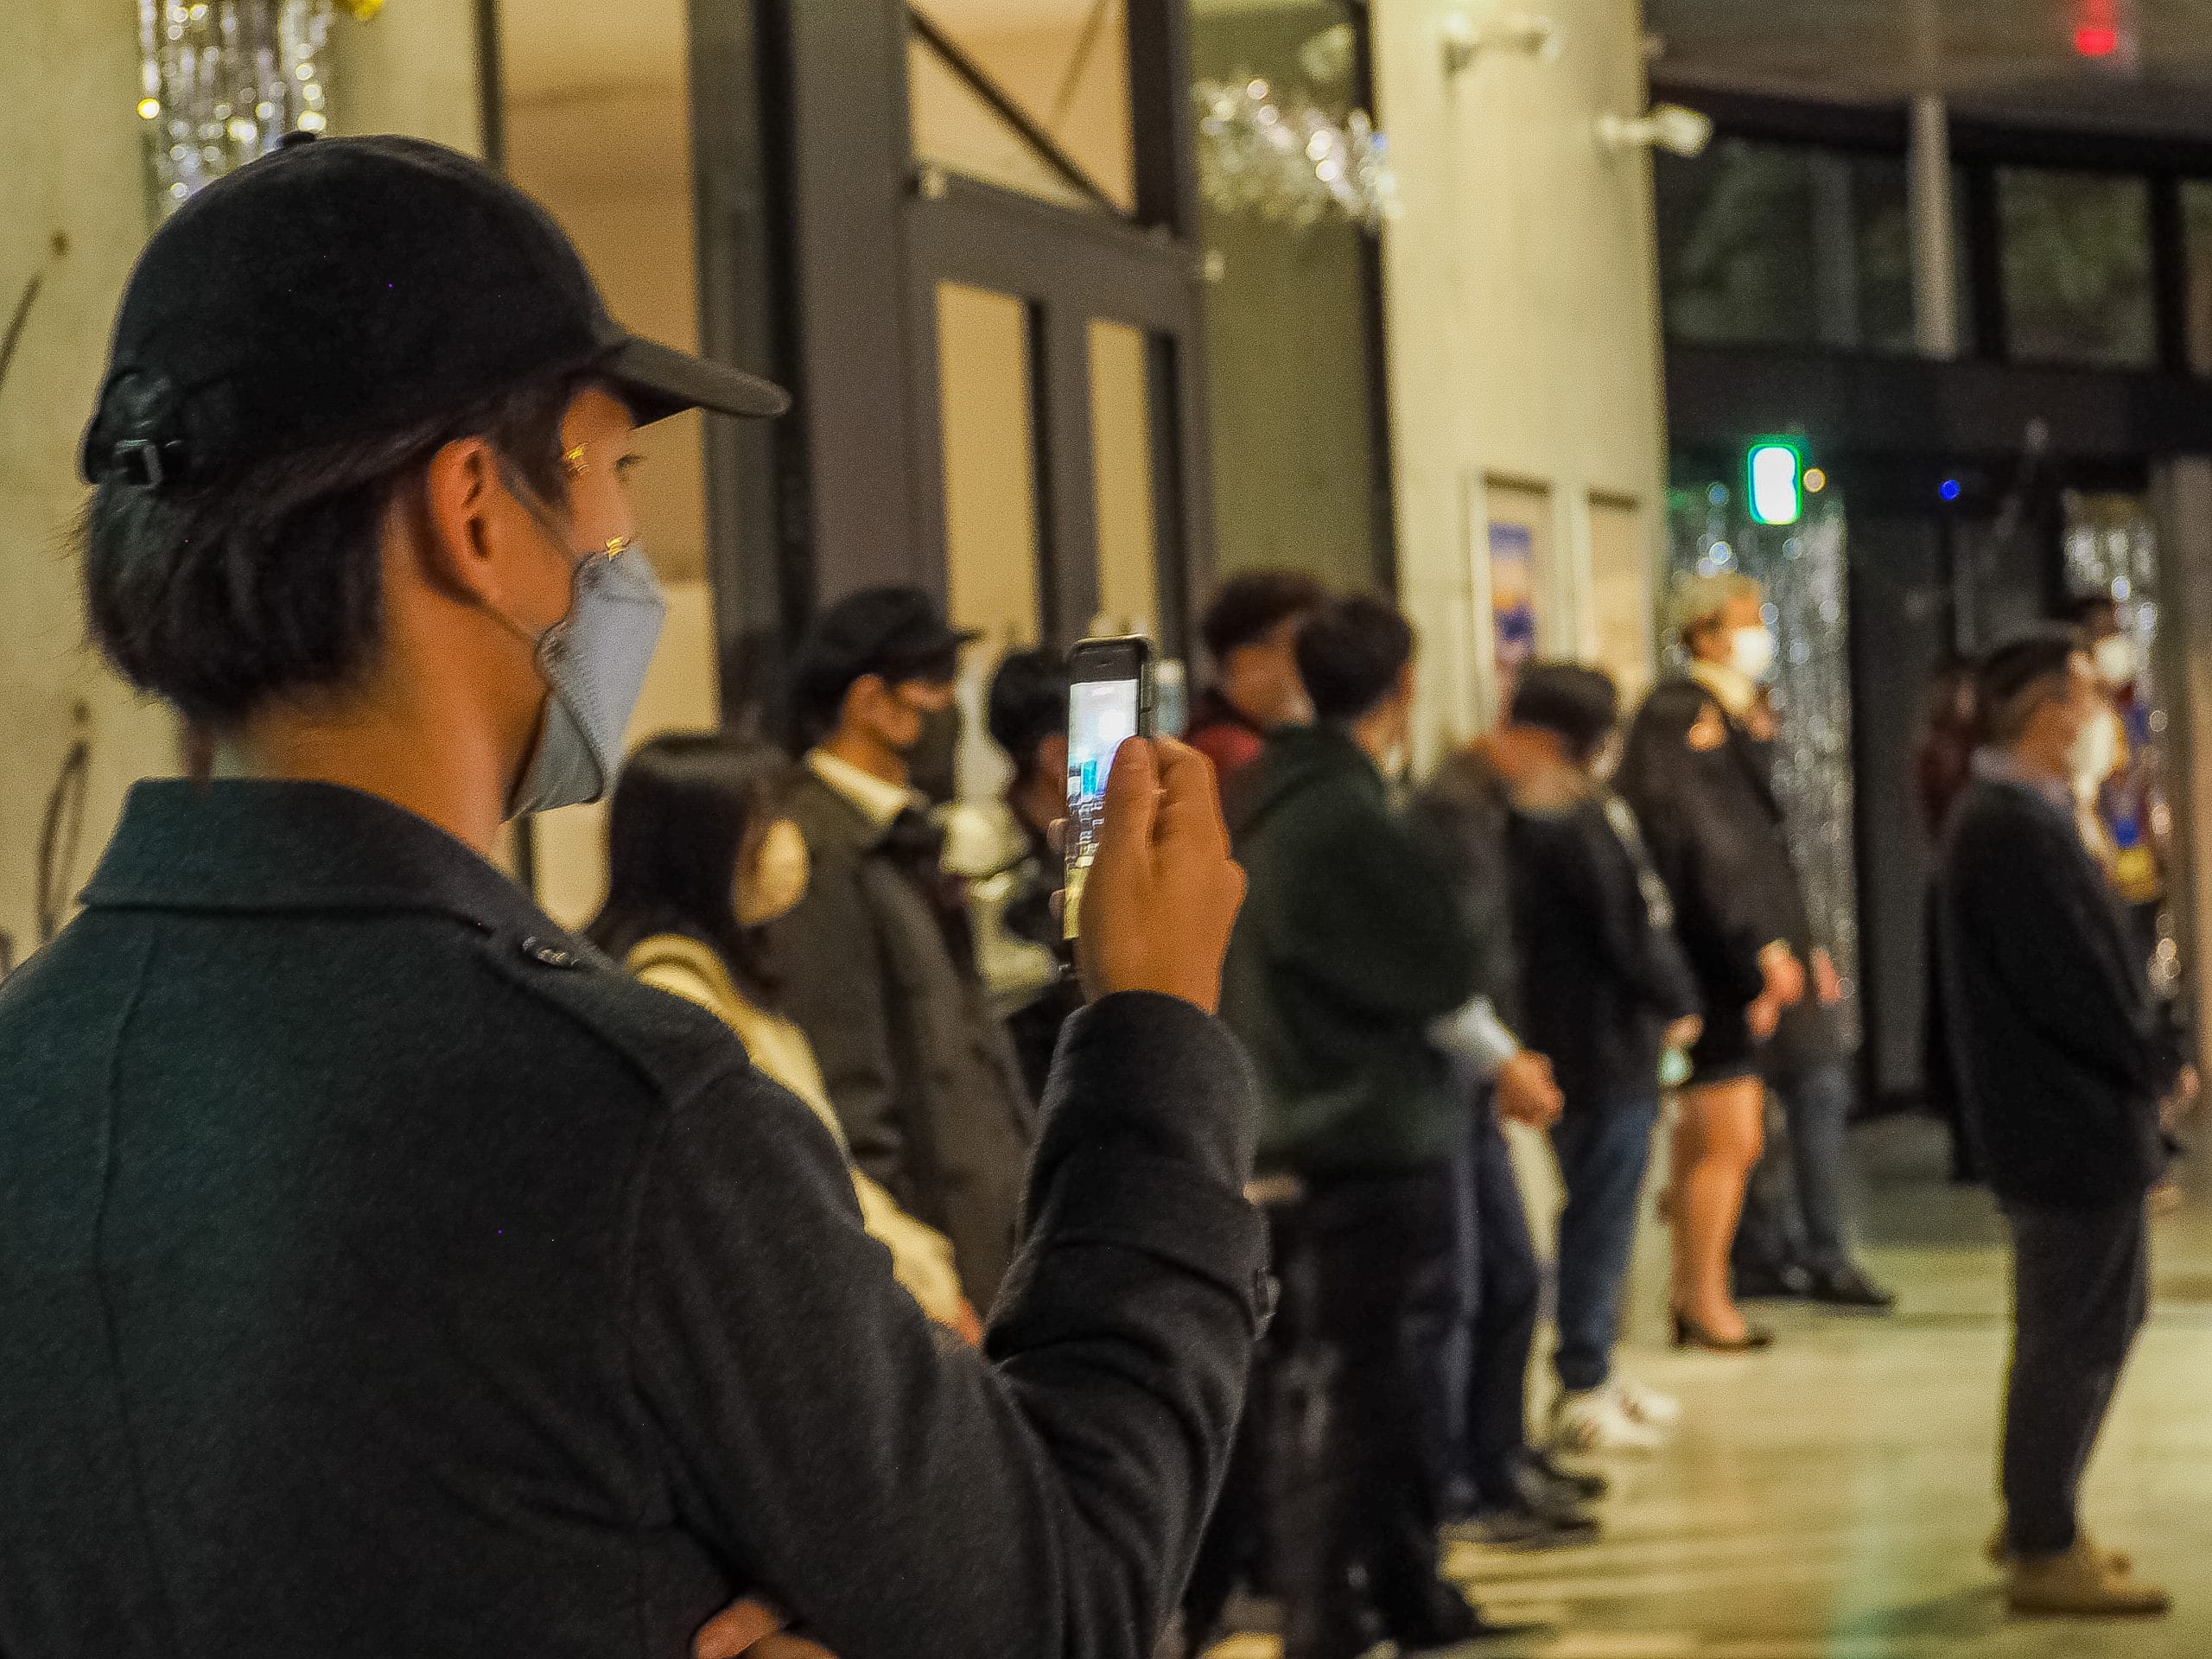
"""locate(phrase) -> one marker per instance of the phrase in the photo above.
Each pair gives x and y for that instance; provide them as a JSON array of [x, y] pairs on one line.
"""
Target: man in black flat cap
[[384, 1272], [2064, 1064], [879, 964]]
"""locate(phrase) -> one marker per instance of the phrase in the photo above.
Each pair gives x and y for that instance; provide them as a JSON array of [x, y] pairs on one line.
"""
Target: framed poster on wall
[[1512, 605]]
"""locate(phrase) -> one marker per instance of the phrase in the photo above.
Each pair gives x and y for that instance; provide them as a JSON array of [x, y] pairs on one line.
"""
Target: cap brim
[[657, 381]]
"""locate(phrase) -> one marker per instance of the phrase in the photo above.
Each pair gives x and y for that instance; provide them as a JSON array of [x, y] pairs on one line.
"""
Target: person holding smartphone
[[384, 1271]]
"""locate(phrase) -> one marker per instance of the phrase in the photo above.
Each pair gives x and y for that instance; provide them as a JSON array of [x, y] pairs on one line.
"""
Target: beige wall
[[73, 205], [1523, 336]]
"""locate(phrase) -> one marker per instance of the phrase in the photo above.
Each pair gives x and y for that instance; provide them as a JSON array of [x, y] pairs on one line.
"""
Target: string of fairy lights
[[222, 81]]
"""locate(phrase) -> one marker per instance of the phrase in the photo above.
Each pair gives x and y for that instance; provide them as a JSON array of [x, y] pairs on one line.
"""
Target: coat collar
[[254, 845]]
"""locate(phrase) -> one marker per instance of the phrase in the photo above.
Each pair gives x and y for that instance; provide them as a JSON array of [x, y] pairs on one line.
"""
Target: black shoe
[[1450, 1620], [1787, 1283], [1846, 1286], [1585, 1486], [1688, 1333], [1526, 1508], [1454, 1622], [1529, 1526]]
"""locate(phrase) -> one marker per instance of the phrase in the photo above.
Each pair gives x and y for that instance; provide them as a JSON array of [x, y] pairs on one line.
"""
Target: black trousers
[[1352, 1488], [2081, 1290]]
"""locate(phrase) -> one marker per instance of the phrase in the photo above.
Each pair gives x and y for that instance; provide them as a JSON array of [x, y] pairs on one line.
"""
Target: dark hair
[[265, 579], [1581, 705], [689, 807], [2084, 611], [1351, 653], [1028, 704], [2020, 677], [1247, 608]]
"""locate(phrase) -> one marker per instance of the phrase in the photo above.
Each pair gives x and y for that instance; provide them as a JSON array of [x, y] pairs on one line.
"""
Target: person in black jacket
[[383, 1270], [1604, 989], [1696, 773], [2062, 1068]]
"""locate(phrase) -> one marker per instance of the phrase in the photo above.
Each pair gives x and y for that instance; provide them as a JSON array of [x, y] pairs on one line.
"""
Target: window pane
[[1066, 66], [2197, 222], [1767, 244], [1736, 242], [1292, 430], [990, 476], [2077, 251], [959, 131], [1120, 428]]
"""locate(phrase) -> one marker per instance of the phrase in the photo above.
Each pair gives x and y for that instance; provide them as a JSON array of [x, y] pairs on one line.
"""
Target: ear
[[1053, 755], [461, 485]]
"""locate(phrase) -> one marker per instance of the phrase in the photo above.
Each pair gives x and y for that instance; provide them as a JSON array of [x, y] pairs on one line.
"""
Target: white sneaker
[[1646, 1405], [1596, 1420]]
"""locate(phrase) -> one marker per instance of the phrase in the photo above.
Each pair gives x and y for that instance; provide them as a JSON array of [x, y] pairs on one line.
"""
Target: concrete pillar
[[1934, 257], [2182, 499]]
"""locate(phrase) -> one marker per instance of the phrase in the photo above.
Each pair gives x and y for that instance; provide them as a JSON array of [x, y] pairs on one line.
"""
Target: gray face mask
[[593, 662]]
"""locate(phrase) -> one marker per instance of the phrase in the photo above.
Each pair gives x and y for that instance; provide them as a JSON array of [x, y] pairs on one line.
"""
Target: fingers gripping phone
[[1110, 700]]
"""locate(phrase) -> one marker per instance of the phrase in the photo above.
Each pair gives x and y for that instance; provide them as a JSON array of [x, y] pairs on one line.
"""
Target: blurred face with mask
[[1738, 637], [911, 728]]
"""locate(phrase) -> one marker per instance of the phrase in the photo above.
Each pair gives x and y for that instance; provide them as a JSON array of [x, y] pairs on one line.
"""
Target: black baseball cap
[[347, 287], [898, 633]]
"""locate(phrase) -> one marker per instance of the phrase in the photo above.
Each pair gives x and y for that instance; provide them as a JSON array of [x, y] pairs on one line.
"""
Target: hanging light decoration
[[222, 81], [1282, 156]]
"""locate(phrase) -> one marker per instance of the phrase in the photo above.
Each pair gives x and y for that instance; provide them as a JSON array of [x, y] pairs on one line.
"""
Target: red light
[[2096, 40]]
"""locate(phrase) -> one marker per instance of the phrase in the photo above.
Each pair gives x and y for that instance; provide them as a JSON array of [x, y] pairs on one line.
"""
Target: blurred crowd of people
[[1584, 915], [1574, 918]]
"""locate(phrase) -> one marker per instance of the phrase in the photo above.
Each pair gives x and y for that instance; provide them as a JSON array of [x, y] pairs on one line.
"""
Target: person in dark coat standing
[[1476, 1333], [2063, 1068], [1349, 963], [1603, 988], [879, 958], [383, 1270], [1694, 772]]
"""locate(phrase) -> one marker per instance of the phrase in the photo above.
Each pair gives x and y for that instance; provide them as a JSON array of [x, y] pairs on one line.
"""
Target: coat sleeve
[[2063, 964], [834, 991], [905, 1498]]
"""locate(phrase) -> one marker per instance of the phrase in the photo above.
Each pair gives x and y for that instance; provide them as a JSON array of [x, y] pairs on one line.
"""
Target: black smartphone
[[1110, 700]]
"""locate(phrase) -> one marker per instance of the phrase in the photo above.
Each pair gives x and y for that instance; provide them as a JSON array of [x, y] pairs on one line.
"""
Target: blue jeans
[[1604, 1153], [1473, 1324]]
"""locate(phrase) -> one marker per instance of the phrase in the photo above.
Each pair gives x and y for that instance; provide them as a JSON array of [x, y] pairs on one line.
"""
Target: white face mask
[[2095, 752], [594, 663], [2115, 659], [1752, 653], [777, 881]]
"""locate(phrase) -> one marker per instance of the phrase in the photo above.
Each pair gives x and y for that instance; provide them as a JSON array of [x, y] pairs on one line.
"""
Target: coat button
[[551, 955]]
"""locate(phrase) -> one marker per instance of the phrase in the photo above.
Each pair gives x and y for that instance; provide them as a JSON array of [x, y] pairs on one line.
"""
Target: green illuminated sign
[[1774, 471]]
